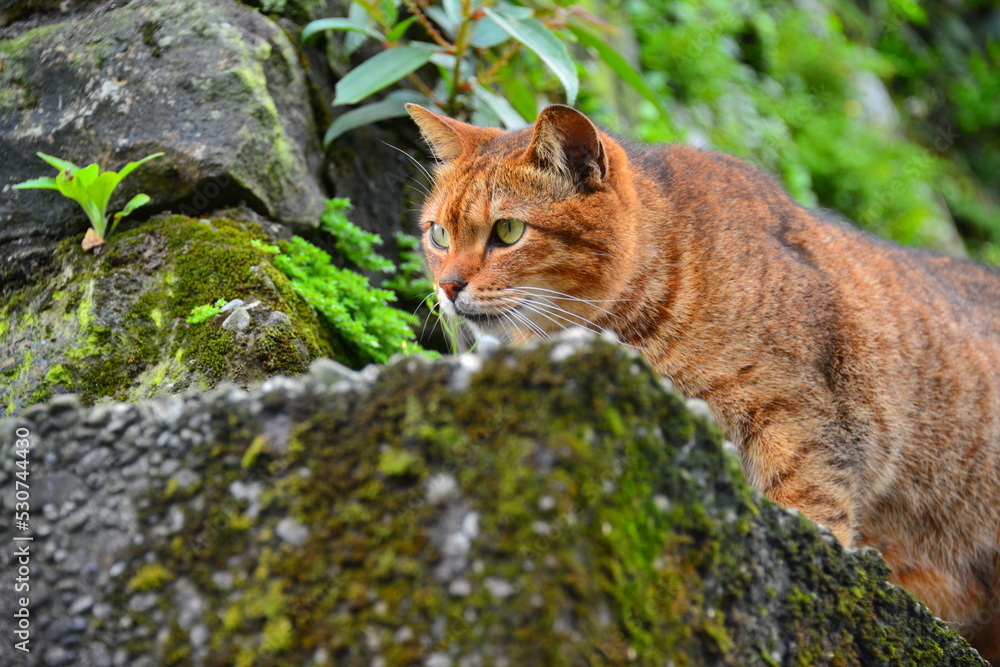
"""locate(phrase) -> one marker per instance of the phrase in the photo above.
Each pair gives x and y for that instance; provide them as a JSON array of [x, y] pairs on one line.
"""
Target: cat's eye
[[509, 230], [439, 235]]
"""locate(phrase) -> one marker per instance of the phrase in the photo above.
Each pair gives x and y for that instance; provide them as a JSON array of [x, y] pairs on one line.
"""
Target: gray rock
[[723, 562], [215, 85], [292, 531]]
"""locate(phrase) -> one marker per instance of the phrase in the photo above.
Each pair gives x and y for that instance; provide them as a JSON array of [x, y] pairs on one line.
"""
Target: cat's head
[[527, 231]]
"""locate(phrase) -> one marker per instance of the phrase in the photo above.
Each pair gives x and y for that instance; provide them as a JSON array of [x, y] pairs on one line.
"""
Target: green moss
[[150, 577], [278, 635], [58, 374], [398, 463], [356, 314], [253, 451]]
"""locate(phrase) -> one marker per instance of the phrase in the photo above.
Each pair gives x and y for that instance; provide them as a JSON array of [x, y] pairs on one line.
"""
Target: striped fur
[[860, 379]]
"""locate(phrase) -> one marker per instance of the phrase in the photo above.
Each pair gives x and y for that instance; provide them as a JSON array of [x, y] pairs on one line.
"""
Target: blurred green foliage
[[886, 111]]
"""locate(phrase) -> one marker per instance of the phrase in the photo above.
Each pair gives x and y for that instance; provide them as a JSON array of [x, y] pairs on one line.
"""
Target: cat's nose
[[452, 288]]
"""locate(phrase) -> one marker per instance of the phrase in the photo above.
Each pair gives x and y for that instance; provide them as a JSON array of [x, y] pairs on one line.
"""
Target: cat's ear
[[567, 141], [448, 138]]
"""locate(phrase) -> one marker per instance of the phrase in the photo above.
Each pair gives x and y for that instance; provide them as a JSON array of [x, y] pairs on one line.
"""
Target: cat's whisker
[[537, 330], [552, 311], [564, 296], [504, 318], [423, 302], [615, 318], [512, 312], [413, 160], [546, 298], [421, 187], [503, 322], [438, 316]]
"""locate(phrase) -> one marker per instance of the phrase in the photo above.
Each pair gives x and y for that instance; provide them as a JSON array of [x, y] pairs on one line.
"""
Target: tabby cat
[[859, 379]]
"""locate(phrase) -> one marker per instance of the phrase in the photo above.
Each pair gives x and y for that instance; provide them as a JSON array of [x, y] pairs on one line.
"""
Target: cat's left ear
[[567, 141]]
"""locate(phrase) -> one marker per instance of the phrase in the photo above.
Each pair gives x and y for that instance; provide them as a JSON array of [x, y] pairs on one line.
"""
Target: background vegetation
[[887, 111]]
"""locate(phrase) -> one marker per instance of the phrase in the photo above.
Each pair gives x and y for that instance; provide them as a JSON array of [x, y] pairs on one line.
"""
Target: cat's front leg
[[793, 470]]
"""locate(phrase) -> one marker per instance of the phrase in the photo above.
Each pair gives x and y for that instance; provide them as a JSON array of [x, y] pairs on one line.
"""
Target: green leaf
[[619, 65], [99, 191], [45, 182], [400, 29], [321, 25], [354, 40], [76, 186], [453, 9], [439, 16], [380, 71], [545, 43], [58, 163], [90, 187], [130, 167], [499, 106], [487, 34], [520, 95], [369, 113], [83, 178], [135, 202], [390, 11]]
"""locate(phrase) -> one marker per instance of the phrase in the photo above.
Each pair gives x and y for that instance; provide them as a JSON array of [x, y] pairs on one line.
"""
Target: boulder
[[216, 86], [114, 326], [552, 505]]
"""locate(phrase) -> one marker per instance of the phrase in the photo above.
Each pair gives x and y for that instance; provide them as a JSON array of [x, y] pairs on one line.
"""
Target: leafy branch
[[473, 46]]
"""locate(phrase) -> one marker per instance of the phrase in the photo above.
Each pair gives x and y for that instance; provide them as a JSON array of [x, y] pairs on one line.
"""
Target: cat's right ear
[[448, 138]]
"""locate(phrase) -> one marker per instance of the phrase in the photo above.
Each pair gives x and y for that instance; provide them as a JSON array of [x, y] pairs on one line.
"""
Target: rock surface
[[114, 326], [552, 505], [217, 86]]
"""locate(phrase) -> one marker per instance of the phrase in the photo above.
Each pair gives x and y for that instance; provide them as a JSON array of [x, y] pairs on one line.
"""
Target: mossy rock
[[113, 326], [217, 86], [553, 505]]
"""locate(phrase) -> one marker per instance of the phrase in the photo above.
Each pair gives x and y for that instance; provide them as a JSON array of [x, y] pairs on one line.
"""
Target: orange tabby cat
[[860, 379]]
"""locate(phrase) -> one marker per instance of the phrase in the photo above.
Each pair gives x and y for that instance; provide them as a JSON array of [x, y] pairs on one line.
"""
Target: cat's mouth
[[481, 319]]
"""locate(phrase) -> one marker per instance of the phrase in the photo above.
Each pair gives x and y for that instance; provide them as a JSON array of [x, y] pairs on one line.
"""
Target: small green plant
[[357, 313], [353, 243], [201, 313], [92, 189], [474, 45], [410, 281], [265, 247]]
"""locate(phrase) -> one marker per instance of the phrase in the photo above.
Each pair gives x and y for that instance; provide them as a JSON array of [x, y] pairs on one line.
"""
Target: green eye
[[439, 235], [509, 230]]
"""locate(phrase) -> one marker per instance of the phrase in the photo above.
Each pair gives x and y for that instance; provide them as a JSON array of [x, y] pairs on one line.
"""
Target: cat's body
[[860, 379]]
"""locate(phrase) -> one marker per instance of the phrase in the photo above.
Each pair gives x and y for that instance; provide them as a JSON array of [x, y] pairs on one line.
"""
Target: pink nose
[[452, 288]]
